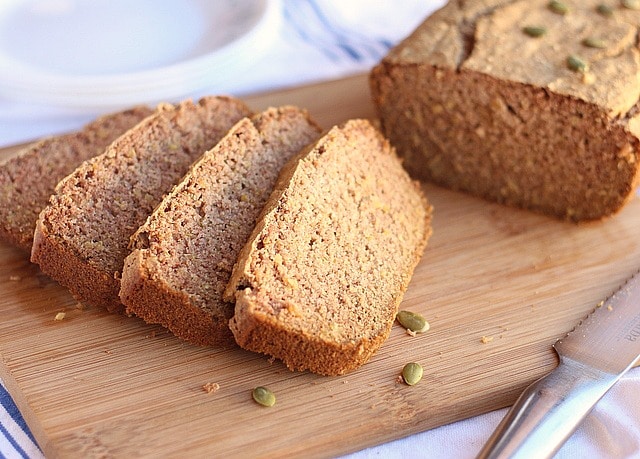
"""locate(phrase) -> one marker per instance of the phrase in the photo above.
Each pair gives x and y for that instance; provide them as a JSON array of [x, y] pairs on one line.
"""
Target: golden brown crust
[[504, 118], [319, 282], [301, 350], [611, 81], [156, 302], [487, 36], [93, 282]]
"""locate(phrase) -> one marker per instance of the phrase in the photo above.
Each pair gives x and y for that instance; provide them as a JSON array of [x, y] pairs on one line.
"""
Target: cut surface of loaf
[[320, 279], [28, 179], [474, 103], [184, 253], [82, 235]]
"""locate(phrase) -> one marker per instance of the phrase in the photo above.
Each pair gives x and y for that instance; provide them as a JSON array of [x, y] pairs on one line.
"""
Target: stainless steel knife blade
[[593, 356], [609, 338]]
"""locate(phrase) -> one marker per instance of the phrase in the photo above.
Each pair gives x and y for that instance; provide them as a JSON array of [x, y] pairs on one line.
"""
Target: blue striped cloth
[[16, 440]]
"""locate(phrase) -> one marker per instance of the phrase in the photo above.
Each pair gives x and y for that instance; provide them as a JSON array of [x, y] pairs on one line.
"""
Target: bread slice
[[29, 178], [81, 237], [475, 103], [184, 253], [320, 279]]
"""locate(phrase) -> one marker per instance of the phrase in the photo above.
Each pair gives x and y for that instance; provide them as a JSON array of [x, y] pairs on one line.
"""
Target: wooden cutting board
[[101, 385]]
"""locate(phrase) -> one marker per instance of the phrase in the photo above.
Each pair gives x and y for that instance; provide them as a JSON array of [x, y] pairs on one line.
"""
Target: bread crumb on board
[[60, 316], [15, 278], [486, 339], [211, 388]]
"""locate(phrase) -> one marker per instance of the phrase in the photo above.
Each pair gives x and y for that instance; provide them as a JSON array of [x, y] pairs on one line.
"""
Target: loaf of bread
[[319, 281], [29, 178], [82, 235], [528, 103], [184, 253]]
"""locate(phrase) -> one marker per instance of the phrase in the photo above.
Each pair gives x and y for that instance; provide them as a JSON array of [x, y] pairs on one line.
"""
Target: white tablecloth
[[297, 56]]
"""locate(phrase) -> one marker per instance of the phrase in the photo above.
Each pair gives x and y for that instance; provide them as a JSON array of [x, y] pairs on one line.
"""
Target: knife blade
[[593, 356]]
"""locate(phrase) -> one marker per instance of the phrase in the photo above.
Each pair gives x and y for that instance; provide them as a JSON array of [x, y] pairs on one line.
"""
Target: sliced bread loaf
[[475, 101], [29, 178], [320, 279], [184, 253], [81, 237]]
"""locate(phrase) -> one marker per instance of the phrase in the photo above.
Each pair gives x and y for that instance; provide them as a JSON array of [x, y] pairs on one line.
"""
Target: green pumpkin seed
[[594, 42], [604, 10], [412, 321], [576, 64], [631, 4], [264, 396], [558, 7], [412, 373], [534, 31]]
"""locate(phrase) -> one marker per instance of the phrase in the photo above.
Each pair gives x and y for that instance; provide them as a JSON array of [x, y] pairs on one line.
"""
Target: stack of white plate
[[95, 54]]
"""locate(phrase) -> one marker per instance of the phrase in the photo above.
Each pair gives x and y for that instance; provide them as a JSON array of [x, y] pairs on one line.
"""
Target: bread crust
[[92, 283], [299, 350], [153, 300]]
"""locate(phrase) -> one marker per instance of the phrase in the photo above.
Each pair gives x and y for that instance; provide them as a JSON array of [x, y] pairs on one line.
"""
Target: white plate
[[111, 53]]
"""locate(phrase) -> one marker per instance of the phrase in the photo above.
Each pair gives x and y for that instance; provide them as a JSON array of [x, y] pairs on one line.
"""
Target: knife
[[593, 356]]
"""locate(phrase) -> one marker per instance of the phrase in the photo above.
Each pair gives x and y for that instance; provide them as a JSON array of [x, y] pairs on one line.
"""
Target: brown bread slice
[[320, 279], [474, 103], [185, 251], [81, 237], [28, 179]]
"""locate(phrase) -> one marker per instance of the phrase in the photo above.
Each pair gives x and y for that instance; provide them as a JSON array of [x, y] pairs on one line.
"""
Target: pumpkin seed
[[412, 373], [631, 4], [534, 31], [576, 64], [264, 396], [558, 7], [605, 10], [594, 42], [412, 321]]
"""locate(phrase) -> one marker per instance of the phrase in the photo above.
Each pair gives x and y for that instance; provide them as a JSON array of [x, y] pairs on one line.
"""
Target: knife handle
[[548, 412]]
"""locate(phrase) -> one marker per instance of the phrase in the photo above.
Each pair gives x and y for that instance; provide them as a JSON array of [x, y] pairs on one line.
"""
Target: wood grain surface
[[102, 385]]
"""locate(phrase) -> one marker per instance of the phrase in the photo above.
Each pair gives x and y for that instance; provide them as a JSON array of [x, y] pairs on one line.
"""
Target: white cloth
[[298, 56]]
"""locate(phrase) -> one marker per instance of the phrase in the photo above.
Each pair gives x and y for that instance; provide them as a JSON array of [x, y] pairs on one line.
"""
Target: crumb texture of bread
[[319, 282], [28, 179], [475, 104], [85, 229], [183, 255]]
